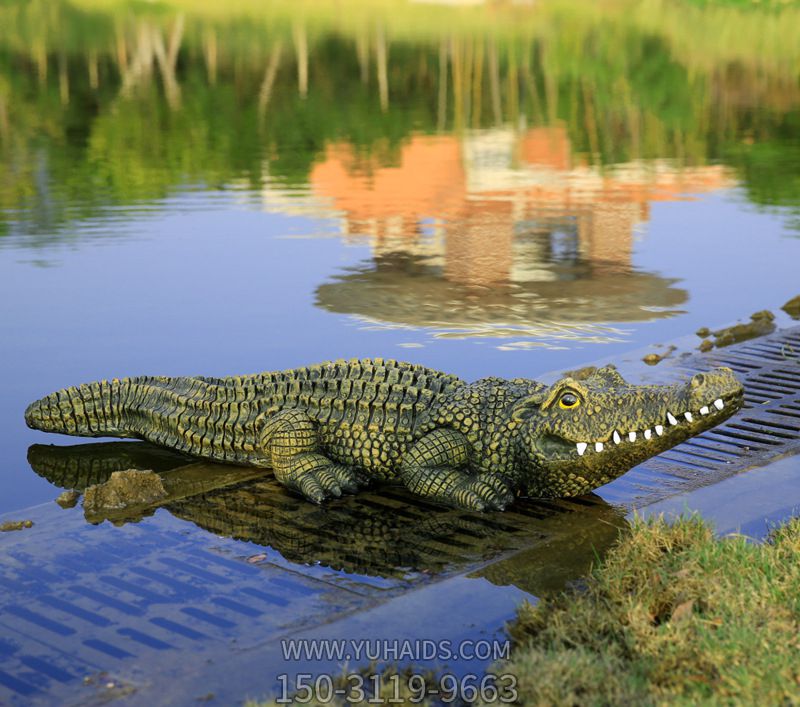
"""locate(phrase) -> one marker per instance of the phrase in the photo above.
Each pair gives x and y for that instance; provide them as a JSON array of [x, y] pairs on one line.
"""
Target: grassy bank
[[673, 616]]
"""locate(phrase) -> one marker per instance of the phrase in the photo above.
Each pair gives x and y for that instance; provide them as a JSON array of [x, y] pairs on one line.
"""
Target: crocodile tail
[[88, 410]]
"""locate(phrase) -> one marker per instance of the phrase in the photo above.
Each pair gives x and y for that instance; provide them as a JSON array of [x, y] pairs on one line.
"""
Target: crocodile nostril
[[698, 380]]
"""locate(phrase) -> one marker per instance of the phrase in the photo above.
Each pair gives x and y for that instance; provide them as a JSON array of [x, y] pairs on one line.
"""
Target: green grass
[[673, 616]]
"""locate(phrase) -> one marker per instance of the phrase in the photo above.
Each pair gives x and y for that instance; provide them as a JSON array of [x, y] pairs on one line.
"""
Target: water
[[263, 201], [192, 191]]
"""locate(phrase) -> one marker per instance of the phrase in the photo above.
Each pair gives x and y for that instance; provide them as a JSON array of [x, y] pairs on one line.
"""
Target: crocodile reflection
[[388, 535]]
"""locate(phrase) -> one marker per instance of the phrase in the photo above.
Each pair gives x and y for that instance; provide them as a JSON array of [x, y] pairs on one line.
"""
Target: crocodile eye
[[568, 401]]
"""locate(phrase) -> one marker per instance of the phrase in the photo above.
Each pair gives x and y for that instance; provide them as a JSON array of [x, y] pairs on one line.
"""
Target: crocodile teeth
[[688, 416], [704, 410], [581, 448], [659, 430], [632, 436], [672, 419], [719, 404], [648, 434], [617, 438], [598, 446]]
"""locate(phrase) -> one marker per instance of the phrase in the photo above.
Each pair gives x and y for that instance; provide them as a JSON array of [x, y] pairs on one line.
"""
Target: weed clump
[[674, 614]]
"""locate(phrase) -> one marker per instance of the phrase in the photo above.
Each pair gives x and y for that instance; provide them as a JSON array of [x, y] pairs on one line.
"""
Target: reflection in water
[[525, 238], [411, 291], [482, 189], [389, 535], [112, 105], [500, 175]]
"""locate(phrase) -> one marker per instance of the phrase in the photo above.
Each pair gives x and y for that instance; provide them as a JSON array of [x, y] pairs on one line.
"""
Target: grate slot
[[783, 413], [757, 402], [697, 465], [716, 460], [737, 367], [746, 437], [764, 353], [651, 473], [788, 381], [777, 425], [777, 351], [766, 390], [756, 430], [708, 448], [775, 386], [743, 446], [735, 361]]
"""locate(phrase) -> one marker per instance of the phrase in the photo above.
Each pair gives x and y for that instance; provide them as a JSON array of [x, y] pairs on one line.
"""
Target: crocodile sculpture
[[330, 429]]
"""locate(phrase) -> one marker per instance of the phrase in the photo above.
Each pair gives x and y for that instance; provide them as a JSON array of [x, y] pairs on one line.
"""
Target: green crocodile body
[[332, 428]]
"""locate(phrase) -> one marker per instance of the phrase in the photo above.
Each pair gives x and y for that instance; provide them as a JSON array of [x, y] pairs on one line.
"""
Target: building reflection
[[499, 229]]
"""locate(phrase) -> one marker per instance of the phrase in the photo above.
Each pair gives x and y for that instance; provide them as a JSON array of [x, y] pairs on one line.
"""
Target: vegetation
[[105, 103], [673, 615]]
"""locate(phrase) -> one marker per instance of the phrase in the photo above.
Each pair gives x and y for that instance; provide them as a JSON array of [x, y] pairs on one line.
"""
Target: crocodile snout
[[714, 388]]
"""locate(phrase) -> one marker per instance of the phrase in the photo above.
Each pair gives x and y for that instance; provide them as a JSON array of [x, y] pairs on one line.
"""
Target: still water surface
[[184, 194]]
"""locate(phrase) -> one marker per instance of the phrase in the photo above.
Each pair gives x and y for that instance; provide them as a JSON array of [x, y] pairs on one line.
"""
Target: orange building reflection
[[500, 234], [480, 191]]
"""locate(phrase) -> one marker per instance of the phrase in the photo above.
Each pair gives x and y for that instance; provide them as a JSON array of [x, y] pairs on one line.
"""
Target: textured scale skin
[[334, 427]]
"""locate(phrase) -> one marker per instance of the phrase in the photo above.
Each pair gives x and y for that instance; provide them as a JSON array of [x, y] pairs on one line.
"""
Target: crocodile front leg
[[290, 439], [431, 468]]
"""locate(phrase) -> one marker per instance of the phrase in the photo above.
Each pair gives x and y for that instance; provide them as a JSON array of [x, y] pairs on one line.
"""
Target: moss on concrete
[[11, 525], [792, 307], [123, 490]]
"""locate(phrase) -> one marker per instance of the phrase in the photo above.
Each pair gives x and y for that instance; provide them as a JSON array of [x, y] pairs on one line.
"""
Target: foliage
[[672, 615], [81, 130]]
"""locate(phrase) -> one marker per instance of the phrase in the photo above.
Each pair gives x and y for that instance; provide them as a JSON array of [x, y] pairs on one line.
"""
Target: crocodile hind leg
[[434, 467], [291, 441]]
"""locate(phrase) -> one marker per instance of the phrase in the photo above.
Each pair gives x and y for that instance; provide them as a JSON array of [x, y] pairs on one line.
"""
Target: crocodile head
[[581, 433]]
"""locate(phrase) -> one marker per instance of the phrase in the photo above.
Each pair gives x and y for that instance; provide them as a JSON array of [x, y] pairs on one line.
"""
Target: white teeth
[[617, 438], [648, 434], [688, 416], [672, 419], [581, 448], [598, 446], [719, 404], [659, 430], [704, 410], [632, 436]]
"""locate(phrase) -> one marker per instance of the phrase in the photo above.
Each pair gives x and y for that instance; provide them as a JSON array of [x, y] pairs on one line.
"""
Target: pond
[[487, 190]]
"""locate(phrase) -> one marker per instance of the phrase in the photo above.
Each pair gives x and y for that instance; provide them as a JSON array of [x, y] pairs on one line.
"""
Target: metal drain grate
[[767, 426]]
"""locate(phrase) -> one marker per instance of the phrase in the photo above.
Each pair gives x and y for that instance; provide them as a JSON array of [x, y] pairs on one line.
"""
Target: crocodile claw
[[484, 493], [329, 481], [349, 478], [311, 488]]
